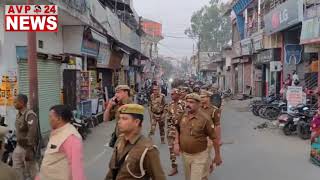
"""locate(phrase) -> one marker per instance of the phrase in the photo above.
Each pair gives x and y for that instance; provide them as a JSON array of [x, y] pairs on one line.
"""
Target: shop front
[[310, 39], [246, 61], [49, 80], [267, 75]]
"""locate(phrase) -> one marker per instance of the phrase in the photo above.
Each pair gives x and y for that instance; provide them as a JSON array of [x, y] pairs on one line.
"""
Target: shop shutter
[[49, 82]]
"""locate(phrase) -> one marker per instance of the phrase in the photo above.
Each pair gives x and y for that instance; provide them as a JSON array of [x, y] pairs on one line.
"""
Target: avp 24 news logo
[[39, 18]]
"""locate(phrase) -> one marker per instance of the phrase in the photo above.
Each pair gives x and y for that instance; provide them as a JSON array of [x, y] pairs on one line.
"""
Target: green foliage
[[210, 26]]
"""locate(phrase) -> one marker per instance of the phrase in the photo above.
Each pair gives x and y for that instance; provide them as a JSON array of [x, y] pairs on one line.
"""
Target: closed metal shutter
[[49, 82]]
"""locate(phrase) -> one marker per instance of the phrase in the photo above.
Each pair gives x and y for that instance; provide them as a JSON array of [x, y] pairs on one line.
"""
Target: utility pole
[[199, 48], [33, 69]]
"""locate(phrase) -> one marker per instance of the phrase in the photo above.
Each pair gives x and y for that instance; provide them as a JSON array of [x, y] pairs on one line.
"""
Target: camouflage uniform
[[157, 105], [173, 111]]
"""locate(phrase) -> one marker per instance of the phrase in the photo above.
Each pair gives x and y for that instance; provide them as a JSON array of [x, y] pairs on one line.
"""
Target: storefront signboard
[[310, 32], [257, 42], [283, 16], [293, 53], [265, 56], [246, 47]]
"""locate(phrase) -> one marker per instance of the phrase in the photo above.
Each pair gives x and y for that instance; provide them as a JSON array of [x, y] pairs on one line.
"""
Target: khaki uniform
[[157, 108], [6, 172], [173, 111], [27, 138], [213, 112], [193, 138], [136, 151], [116, 113], [54, 161]]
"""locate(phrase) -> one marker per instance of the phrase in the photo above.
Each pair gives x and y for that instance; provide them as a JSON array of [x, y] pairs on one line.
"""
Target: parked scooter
[[10, 144], [298, 121], [82, 124]]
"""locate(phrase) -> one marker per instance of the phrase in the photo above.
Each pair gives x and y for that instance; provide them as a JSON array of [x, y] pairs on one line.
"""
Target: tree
[[210, 26]]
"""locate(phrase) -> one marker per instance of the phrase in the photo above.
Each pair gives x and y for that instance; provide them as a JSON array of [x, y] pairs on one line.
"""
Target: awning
[[99, 37], [241, 5]]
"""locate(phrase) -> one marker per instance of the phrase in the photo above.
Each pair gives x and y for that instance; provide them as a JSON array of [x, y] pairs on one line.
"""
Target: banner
[[8, 89], [295, 96]]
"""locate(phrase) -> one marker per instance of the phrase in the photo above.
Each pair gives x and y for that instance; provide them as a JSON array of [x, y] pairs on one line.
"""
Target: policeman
[[157, 104], [173, 110], [212, 111], [121, 97], [6, 172], [27, 132], [194, 129], [134, 156]]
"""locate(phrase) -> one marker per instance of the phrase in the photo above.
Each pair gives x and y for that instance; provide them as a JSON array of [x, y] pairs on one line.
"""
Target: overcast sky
[[175, 17]]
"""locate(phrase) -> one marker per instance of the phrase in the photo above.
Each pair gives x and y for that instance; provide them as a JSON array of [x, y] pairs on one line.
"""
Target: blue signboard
[[293, 52]]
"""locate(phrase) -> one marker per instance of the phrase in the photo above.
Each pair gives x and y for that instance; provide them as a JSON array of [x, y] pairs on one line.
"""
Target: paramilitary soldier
[[174, 110], [6, 172], [157, 104], [134, 156], [194, 129]]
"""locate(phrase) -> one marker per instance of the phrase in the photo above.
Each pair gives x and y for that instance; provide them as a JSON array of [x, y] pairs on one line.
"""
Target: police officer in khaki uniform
[[212, 111], [194, 128], [173, 111], [27, 132], [157, 105], [121, 97], [6, 172], [134, 156]]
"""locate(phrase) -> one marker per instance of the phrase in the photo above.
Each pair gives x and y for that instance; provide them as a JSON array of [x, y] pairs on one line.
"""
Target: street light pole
[[33, 69]]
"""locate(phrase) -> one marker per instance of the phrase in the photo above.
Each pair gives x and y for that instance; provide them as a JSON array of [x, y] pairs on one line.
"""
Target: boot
[[162, 140], [173, 171]]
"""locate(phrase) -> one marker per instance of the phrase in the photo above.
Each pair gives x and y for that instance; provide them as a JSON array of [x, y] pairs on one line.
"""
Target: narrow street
[[248, 154]]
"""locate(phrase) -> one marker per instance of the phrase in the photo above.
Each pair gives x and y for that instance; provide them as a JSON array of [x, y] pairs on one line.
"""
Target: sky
[[175, 17]]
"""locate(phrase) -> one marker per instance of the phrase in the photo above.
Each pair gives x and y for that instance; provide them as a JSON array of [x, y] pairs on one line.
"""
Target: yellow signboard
[[8, 90]]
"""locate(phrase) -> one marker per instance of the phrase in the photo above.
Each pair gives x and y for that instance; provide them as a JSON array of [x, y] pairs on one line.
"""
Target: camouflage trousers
[[157, 119], [171, 137]]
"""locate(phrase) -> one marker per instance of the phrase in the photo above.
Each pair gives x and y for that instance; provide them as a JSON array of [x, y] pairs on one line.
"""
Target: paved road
[[248, 154]]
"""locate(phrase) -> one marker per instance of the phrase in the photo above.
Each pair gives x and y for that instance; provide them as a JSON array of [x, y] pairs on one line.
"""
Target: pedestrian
[[28, 137], [6, 172], [174, 110], [193, 131], [295, 79], [288, 81], [63, 158], [157, 105], [134, 155]]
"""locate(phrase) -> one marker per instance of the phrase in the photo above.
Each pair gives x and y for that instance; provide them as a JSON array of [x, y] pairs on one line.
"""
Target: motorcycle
[[297, 121], [10, 144], [82, 124]]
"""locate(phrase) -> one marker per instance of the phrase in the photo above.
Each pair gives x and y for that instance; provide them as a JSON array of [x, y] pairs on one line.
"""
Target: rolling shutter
[[49, 79]]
